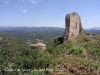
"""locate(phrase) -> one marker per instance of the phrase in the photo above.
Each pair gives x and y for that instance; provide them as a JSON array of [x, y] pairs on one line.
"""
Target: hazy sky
[[50, 13]]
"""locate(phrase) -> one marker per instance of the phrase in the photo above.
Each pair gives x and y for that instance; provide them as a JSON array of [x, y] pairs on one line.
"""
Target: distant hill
[[95, 28], [33, 33], [7, 28], [23, 34], [39, 29], [92, 31]]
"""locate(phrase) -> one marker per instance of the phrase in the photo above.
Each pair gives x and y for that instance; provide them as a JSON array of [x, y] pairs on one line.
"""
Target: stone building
[[73, 25], [38, 45]]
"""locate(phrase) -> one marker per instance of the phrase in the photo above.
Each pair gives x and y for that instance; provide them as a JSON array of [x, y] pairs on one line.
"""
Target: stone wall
[[38, 45], [73, 25]]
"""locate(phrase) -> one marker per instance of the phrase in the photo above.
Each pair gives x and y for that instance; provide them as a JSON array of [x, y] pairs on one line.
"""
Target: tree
[[8, 54], [58, 41]]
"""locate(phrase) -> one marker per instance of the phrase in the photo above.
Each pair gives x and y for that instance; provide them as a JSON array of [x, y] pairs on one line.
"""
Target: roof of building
[[39, 44]]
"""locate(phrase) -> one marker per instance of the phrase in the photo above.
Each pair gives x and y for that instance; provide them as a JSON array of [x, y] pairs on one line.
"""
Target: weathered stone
[[38, 45], [73, 25]]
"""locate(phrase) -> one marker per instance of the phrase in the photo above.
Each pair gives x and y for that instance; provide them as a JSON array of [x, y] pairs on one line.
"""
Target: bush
[[93, 34], [89, 45], [69, 45], [58, 41], [76, 51], [86, 39], [87, 33], [36, 73]]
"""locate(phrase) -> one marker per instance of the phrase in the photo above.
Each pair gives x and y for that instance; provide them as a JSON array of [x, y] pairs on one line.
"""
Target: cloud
[[22, 0], [30, 1], [33, 1], [5, 1], [23, 10]]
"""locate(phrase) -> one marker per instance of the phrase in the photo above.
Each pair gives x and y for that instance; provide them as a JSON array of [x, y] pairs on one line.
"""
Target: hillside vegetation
[[79, 56]]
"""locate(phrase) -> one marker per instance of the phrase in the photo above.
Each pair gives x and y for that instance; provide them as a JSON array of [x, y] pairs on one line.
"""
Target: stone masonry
[[73, 25]]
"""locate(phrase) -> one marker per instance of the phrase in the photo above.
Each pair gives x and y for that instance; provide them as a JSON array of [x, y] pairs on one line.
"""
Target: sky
[[48, 13]]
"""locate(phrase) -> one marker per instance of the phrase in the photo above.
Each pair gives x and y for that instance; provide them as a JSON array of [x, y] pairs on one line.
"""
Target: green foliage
[[46, 57], [8, 53], [58, 41], [15, 55], [36, 73], [22, 35], [93, 50], [28, 43], [89, 45], [87, 33], [68, 44], [76, 51]]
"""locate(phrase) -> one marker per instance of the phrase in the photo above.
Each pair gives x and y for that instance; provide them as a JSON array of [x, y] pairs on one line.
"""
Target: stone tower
[[73, 26]]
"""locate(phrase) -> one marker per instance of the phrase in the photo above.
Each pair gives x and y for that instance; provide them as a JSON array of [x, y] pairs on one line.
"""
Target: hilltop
[[78, 56]]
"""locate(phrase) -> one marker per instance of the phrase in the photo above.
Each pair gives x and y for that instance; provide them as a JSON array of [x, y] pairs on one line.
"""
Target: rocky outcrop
[[73, 25]]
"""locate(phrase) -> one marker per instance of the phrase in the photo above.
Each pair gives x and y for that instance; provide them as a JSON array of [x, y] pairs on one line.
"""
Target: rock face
[[73, 25]]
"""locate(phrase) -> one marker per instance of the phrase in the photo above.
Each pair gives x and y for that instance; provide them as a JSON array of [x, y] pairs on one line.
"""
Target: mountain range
[[29, 29]]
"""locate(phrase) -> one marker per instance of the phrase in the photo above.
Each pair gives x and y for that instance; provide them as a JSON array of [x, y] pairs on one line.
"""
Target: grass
[[76, 65], [82, 53]]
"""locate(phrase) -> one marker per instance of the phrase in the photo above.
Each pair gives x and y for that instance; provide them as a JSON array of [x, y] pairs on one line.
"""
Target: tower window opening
[[76, 25]]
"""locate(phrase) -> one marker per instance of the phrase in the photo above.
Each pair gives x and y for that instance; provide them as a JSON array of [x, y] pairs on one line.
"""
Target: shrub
[[36, 73], [76, 51], [93, 34], [89, 45], [69, 45], [58, 41], [86, 39], [87, 33]]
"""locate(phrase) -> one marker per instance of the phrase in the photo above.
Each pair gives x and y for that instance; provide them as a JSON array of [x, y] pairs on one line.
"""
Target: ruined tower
[[73, 26]]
